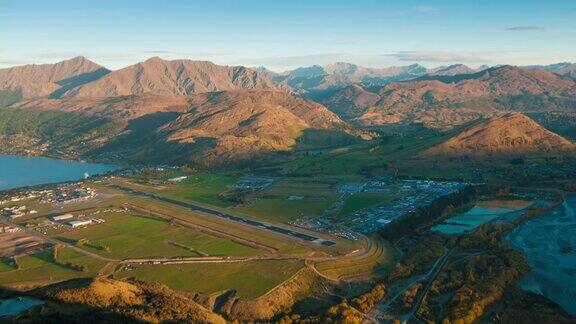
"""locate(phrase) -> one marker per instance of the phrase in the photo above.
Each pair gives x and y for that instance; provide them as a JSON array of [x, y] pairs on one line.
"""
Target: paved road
[[227, 216], [431, 276]]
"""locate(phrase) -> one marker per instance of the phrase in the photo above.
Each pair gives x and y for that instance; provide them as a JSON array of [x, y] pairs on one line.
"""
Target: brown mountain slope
[[43, 80], [245, 123], [178, 77], [513, 134], [351, 102], [116, 108], [210, 128], [457, 99]]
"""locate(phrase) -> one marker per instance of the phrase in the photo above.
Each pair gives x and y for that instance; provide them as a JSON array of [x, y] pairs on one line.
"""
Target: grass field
[[273, 203], [42, 267], [359, 161], [361, 201], [4, 266], [128, 235], [284, 210], [204, 188], [276, 241], [249, 279]]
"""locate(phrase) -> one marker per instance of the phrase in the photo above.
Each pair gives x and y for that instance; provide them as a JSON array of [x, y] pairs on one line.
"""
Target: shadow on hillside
[[319, 140], [144, 140], [58, 312], [73, 82]]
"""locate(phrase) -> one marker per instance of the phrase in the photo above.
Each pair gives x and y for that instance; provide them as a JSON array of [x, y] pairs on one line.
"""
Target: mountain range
[[316, 81], [185, 110], [178, 77], [202, 110], [452, 100]]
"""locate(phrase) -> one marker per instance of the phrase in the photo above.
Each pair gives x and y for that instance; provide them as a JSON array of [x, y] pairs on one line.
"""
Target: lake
[[22, 171], [16, 306], [483, 212], [549, 244]]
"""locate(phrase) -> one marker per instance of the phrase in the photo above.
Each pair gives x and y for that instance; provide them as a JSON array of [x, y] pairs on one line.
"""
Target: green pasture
[[127, 235], [249, 279], [42, 267]]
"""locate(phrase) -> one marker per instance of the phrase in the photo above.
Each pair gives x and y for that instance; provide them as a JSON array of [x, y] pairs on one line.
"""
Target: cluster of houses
[[14, 212], [9, 229], [71, 194], [410, 195], [23, 196], [63, 194]]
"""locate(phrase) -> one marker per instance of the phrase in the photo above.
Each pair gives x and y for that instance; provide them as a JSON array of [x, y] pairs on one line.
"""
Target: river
[[549, 244]]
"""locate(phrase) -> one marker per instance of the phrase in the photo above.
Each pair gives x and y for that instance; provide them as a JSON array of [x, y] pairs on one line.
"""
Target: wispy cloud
[[523, 28], [482, 57], [424, 8], [442, 56]]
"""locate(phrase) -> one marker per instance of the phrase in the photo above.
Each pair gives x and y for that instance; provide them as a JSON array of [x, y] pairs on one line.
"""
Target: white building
[[62, 217], [79, 223], [178, 179]]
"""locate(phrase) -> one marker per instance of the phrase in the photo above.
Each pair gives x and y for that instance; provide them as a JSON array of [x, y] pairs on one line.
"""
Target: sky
[[282, 35]]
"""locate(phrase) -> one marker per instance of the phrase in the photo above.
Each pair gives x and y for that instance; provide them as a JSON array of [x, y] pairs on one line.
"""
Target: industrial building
[[80, 223], [62, 217]]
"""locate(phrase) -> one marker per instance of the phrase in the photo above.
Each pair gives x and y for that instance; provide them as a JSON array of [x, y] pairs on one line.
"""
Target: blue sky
[[285, 34]]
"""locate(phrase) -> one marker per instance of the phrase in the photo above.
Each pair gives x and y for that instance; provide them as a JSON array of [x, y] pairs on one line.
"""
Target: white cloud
[[424, 8], [482, 57], [442, 56], [523, 28]]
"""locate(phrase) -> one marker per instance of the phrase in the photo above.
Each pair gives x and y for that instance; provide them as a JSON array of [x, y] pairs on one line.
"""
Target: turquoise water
[[21, 171], [471, 219], [15, 306]]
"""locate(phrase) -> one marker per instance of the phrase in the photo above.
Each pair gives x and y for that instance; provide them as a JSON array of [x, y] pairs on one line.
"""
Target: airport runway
[[237, 219]]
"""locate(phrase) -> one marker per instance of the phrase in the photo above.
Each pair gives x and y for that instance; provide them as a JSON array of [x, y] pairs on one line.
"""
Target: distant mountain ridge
[[177, 77], [316, 79], [49, 79], [452, 100], [565, 68], [183, 110]]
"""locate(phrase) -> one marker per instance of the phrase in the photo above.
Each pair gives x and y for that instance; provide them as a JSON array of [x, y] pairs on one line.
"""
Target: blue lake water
[[15, 306], [21, 171], [484, 212]]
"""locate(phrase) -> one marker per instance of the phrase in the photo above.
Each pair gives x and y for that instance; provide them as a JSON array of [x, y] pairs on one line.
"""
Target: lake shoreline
[[21, 172]]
